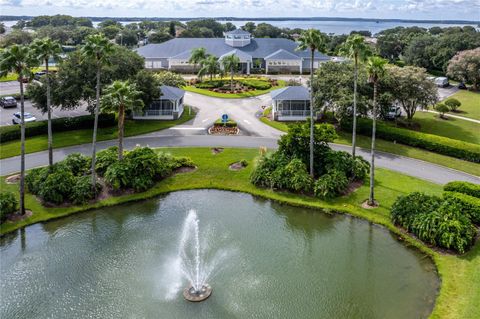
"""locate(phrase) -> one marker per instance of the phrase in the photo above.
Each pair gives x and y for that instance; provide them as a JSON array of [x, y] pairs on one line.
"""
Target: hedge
[[434, 143], [229, 123], [12, 132], [256, 84], [470, 205], [464, 188]]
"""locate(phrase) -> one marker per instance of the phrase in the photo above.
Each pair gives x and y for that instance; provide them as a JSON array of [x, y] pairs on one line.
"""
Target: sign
[[224, 118]]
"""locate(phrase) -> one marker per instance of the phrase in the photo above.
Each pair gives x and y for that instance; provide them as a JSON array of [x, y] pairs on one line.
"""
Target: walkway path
[[454, 116]]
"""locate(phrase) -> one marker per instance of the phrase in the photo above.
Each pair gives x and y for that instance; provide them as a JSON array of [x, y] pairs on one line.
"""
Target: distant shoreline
[[126, 19]]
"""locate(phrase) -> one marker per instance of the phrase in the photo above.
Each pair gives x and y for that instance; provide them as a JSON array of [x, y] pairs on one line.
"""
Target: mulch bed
[[236, 166], [223, 130], [17, 217], [217, 150], [367, 206], [352, 187], [13, 179]]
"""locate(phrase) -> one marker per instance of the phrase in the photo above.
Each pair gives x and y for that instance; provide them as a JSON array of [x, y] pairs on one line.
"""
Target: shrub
[[210, 84], [441, 108], [82, 190], [244, 162], [331, 184], [256, 84], [464, 188], [144, 161], [12, 132], [445, 227], [438, 144], [267, 111], [182, 161], [266, 165], [293, 176], [229, 123], [118, 175], [353, 168], [406, 208], [453, 104], [105, 158], [37, 176], [77, 163], [469, 205], [58, 187], [8, 204]]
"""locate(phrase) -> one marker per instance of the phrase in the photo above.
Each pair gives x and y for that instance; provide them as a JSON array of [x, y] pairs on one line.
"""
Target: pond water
[[268, 261]]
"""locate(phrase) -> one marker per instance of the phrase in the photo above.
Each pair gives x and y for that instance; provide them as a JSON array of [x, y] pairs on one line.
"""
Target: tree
[[464, 66], [127, 37], [2, 28], [171, 29], [209, 66], [453, 104], [357, 49], [197, 55], [110, 31], [442, 109], [170, 79], [411, 88], [44, 50], [249, 27], [215, 27], [315, 41], [265, 30], [418, 51], [229, 27], [17, 58], [119, 97], [16, 37], [376, 70], [159, 37], [148, 85], [98, 49], [230, 62]]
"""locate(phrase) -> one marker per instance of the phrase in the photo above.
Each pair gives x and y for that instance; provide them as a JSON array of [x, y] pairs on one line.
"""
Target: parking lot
[[7, 114]]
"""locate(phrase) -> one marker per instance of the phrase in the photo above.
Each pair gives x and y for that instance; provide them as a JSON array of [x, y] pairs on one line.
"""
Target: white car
[[393, 113], [442, 82], [17, 118]]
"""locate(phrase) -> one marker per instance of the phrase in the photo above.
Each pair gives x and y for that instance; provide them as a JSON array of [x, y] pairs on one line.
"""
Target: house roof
[[171, 93], [240, 54], [291, 93], [185, 55], [282, 55], [237, 32], [258, 48]]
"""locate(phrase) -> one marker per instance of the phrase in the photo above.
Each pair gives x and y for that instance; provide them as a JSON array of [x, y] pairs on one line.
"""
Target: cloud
[[439, 9]]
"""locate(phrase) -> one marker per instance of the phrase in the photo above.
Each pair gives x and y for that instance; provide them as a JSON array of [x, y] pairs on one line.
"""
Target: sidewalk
[[453, 116]]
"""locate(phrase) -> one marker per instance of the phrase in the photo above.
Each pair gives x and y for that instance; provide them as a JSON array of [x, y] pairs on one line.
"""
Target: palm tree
[[209, 66], [376, 70], [357, 49], [230, 62], [315, 41], [97, 48], [17, 59], [46, 49], [196, 56], [119, 97]]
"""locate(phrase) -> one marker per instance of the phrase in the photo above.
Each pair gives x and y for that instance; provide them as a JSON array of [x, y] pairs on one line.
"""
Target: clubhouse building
[[262, 55]]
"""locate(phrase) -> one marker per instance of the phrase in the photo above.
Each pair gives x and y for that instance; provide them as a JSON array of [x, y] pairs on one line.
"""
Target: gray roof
[[240, 54], [237, 32], [258, 48], [291, 93], [171, 93], [185, 55], [282, 55]]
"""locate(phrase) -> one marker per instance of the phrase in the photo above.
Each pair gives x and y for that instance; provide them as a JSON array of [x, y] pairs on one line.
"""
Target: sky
[[401, 9]]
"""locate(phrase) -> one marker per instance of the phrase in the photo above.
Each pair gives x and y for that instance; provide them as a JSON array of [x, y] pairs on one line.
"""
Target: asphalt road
[[405, 165]]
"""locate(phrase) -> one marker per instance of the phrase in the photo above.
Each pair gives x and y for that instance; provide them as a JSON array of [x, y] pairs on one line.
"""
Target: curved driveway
[[256, 134]]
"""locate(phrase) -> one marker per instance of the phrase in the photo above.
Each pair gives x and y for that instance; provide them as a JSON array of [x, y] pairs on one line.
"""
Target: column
[[248, 67]]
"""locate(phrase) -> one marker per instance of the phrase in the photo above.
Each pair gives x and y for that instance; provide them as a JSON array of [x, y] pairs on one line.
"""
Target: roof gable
[[282, 54]]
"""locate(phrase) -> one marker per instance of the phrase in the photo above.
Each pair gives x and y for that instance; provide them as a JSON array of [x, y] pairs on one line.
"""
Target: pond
[[266, 260]]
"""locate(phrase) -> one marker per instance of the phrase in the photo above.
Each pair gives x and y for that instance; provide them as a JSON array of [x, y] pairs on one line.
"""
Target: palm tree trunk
[[312, 123], [49, 118], [231, 78], [95, 126], [354, 129], [371, 199], [22, 148], [121, 124]]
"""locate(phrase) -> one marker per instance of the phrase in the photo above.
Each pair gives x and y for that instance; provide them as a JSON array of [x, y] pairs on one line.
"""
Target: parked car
[[442, 82], [8, 101], [393, 113], [462, 86], [17, 118], [37, 76]]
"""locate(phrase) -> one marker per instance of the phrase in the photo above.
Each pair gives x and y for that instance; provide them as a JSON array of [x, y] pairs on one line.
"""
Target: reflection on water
[[282, 262]]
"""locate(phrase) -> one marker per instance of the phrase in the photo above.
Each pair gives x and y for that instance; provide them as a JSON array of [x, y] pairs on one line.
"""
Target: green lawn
[[399, 149], [460, 275], [76, 137], [470, 104], [233, 96], [453, 128], [14, 76]]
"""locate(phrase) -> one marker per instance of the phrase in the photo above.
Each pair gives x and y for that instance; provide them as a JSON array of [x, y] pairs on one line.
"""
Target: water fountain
[[192, 267]]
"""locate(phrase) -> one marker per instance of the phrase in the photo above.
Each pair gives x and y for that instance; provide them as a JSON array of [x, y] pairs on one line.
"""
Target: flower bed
[[240, 85]]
